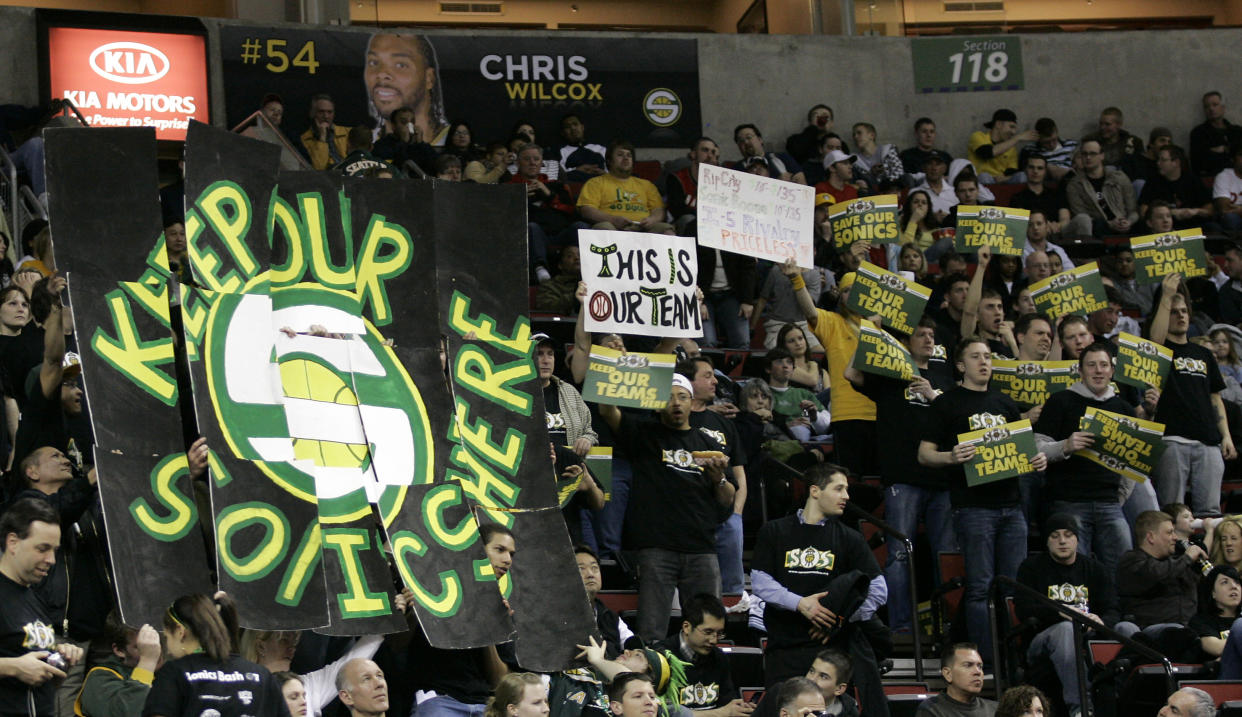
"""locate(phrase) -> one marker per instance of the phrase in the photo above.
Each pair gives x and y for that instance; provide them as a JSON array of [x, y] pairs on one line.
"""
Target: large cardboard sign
[[1127, 446], [1077, 291], [898, 301], [1158, 255], [640, 284], [758, 216], [131, 79], [312, 342]]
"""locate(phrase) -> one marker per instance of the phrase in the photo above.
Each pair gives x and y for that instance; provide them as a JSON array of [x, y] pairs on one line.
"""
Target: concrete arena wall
[[1156, 78]]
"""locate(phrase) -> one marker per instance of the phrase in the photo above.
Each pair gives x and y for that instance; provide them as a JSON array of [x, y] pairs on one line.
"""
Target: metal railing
[[890, 531], [1080, 623], [258, 117], [31, 206], [65, 103]]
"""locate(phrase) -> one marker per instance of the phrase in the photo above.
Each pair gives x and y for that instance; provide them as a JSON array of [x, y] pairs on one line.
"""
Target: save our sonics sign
[[130, 79]]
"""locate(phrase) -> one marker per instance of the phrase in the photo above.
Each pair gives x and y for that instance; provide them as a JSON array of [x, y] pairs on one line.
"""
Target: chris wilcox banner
[[311, 335], [644, 89]]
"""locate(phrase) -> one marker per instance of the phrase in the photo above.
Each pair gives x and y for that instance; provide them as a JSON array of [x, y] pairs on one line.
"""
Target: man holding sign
[[1196, 432], [990, 524], [911, 491], [1076, 485]]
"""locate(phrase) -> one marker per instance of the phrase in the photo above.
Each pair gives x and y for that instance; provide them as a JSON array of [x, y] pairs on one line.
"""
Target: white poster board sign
[[757, 216], [640, 284]]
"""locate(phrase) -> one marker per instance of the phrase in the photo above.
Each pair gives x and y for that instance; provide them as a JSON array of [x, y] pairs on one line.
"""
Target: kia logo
[[130, 63]]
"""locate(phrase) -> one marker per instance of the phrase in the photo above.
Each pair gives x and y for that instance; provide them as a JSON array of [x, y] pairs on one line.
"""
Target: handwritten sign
[[1142, 363], [873, 219], [898, 301], [1030, 383], [1001, 452], [635, 380], [881, 354], [1077, 291], [1002, 228], [1158, 255], [1127, 446], [757, 216], [640, 283]]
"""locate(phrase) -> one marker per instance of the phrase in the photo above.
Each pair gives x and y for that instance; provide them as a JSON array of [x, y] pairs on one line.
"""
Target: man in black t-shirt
[[1037, 196], [990, 524], [797, 558], [708, 690], [702, 377], [1190, 201], [911, 491], [611, 627], [31, 532], [1196, 432], [1078, 486], [676, 502]]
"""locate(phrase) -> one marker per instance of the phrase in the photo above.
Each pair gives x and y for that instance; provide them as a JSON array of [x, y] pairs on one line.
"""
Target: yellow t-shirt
[[997, 165], [633, 198], [839, 340]]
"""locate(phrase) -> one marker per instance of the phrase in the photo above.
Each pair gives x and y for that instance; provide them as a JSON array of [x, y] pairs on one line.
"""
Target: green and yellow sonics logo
[[323, 417]]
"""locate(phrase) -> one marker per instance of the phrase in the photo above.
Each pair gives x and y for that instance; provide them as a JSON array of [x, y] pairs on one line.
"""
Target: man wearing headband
[[676, 501]]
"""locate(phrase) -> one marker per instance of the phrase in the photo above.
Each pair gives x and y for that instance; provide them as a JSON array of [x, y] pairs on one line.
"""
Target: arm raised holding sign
[[1159, 330], [970, 310]]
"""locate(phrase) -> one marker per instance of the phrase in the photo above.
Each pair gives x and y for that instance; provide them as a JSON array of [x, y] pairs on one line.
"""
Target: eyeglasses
[[709, 633]]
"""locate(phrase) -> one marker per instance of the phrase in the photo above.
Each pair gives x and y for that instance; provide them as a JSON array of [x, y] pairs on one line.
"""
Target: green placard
[[882, 355], [1158, 255], [897, 301], [1001, 452], [1142, 363], [631, 379], [1127, 446], [1030, 383], [871, 218], [599, 463], [1002, 228], [967, 64], [1077, 291]]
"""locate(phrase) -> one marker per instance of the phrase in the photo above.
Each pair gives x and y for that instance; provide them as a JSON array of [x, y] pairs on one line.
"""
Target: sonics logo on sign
[[347, 418], [130, 79]]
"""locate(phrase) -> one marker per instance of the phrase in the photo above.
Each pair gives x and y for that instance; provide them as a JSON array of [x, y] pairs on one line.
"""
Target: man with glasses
[[708, 689], [1101, 199]]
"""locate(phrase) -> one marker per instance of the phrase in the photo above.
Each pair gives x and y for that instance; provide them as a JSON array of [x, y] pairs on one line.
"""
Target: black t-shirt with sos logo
[[1185, 406], [672, 501], [24, 627], [557, 432]]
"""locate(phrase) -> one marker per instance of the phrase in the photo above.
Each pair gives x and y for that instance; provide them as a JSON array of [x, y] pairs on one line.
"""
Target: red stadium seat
[[619, 601], [751, 694], [905, 688], [1004, 192], [1103, 651], [648, 169], [1221, 690]]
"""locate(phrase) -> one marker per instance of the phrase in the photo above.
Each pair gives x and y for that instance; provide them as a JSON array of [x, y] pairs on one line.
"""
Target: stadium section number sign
[[967, 64]]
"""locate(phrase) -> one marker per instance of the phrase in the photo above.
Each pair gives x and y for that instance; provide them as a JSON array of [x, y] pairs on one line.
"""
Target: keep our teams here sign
[[1030, 383], [898, 301], [1077, 291], [1002, 228], [872, 219], [1127, 446], [1001, 452], [757, 216], [881, 354], [1142, 363], [633, 379], [640, 283], [1158, 255]]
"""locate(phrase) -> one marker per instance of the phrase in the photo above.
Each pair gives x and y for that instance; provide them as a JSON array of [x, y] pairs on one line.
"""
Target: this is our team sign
[[1077, 291], [640, 284], [1158, 255]]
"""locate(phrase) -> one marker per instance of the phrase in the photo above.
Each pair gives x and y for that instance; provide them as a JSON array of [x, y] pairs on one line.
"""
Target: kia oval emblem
[[130, 63]]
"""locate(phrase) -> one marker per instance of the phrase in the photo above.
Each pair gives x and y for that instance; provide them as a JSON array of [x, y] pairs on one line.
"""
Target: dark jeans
[[660, 572], [725, 326], [904, 505], [993, 543], [538, 241]]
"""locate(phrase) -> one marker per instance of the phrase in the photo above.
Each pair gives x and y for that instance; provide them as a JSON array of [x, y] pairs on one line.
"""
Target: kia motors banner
[[643, 89], [130, 79], [337, 461]]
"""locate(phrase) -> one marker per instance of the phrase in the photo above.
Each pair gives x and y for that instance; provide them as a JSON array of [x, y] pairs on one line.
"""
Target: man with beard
[[401, 71]]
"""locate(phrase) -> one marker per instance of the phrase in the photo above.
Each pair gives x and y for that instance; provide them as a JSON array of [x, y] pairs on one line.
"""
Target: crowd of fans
[[774, 456]]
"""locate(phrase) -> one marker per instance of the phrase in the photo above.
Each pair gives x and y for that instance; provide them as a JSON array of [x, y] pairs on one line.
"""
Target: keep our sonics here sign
[[130, 79]]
